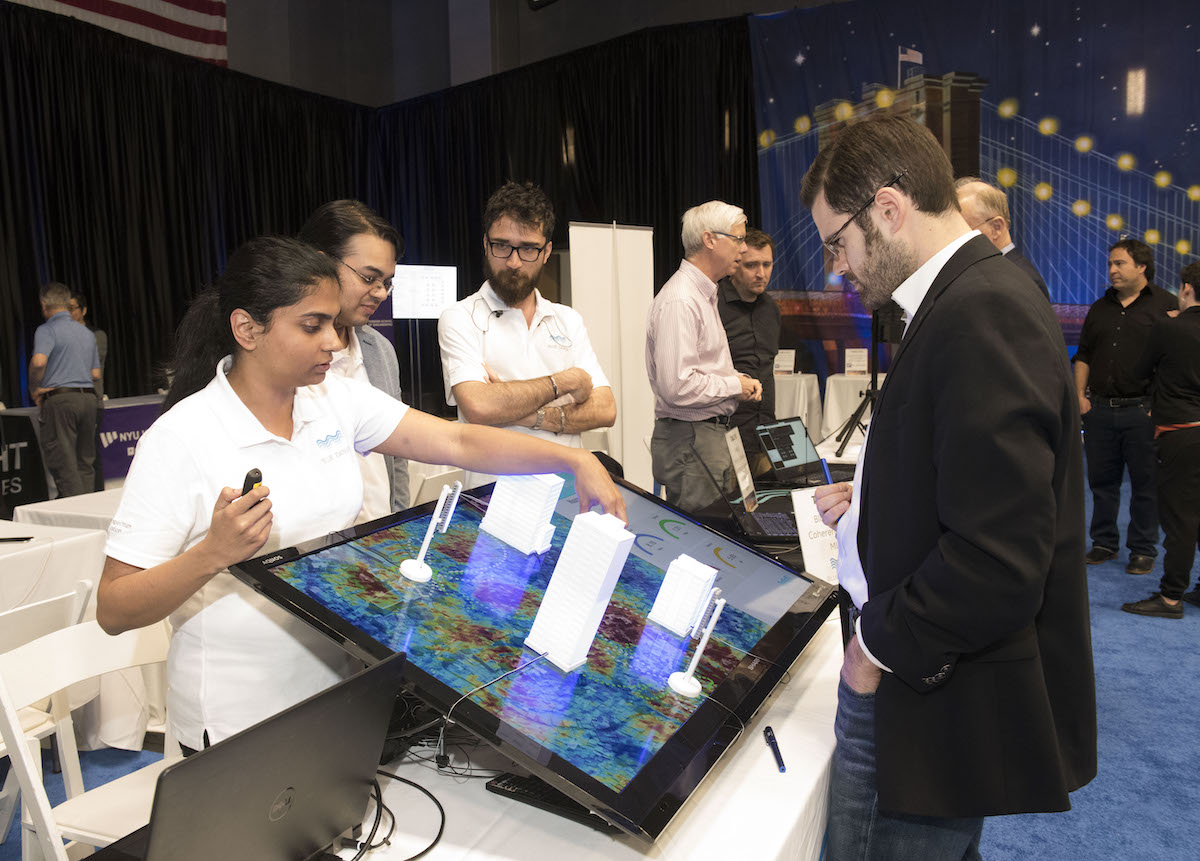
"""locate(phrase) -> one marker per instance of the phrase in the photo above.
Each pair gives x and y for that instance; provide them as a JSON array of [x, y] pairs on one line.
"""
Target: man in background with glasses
[[967, 689], [510, 357], [696, 388], [365, 248], [985, 208]]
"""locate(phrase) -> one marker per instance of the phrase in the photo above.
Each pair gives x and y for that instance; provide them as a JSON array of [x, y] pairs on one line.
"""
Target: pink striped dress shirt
[[687, 354]]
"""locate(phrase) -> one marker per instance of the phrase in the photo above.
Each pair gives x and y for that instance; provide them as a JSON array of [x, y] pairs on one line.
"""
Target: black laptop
[[793, 457], [284, 789], [758, 526]]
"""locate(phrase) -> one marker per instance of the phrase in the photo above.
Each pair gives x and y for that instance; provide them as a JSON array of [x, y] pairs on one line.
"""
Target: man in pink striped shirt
[[696, 388]]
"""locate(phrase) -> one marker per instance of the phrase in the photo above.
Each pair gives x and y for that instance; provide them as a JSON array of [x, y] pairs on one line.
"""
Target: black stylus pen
[[769, 735]]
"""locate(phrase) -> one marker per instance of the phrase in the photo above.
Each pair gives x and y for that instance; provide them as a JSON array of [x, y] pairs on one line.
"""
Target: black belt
[[60, 389], [717, 420], [1121, 402]]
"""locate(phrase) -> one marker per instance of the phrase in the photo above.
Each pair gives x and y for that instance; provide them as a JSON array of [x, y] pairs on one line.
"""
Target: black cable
[[442, 759], [366, 844], [441, 828]]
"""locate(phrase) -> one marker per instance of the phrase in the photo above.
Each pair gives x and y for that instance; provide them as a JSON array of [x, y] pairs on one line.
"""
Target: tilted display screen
[[611, 733]]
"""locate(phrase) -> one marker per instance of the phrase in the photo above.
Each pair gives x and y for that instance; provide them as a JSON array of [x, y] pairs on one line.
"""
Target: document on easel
[[741, 468]]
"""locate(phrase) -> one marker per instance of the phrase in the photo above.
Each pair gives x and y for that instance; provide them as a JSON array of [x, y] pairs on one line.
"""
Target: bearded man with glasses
[[510, 357], [967, 688]]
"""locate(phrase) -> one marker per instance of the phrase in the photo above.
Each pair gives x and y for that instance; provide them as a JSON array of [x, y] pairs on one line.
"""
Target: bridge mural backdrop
[[1088, 115]]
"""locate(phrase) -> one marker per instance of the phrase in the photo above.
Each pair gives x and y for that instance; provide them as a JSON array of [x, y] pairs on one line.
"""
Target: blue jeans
[[858, 829], [1116, 439]]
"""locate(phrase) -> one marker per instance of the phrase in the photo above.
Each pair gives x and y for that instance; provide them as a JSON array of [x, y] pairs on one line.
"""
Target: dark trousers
[[1116, 438], [1179, 506], [68, 439]]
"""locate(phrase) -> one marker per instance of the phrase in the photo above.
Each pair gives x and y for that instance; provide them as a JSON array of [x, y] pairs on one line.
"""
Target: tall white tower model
[[520, 510], [580, 589]]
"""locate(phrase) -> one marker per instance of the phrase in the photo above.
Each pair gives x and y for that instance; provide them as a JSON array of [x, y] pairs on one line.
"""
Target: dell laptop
[[284, 789], [756, 527]]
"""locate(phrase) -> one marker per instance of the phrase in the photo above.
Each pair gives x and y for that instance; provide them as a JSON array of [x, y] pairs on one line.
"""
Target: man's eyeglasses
[[372, 281], [832, 244], [985, 221], [738, 239], [503, 251]]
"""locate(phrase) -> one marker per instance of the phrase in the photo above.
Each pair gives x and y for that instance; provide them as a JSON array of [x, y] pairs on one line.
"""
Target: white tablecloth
[[843, 392], [49, 565], [129, 701], [744, 809], [799, 395]]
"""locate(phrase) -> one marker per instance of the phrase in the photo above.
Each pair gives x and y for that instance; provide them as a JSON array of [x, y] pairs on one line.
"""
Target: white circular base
[[684, 685], [416, 571]]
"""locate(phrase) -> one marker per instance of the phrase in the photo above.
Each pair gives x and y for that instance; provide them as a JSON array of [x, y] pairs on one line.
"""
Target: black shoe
[[1139, 564], [1154, 606], [1192, 597], [1099, 554]]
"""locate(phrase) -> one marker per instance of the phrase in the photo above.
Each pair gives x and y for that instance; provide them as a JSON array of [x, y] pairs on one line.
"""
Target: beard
[[885, 267], [513, 286]]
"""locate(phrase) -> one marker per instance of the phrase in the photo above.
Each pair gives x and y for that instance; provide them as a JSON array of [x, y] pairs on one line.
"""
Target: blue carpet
[[1145, 802]]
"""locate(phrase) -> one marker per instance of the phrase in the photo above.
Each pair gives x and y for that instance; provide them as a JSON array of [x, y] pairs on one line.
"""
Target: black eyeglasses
[[738, 239], [503, 251], [372, 281], [985, 221], [831, 244]]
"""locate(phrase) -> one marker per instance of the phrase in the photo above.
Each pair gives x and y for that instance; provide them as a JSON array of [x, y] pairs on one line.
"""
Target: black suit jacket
[[971, 533], [1015, 256]]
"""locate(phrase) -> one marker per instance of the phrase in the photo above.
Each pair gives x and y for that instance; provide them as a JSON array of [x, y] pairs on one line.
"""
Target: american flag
[[192, 27]]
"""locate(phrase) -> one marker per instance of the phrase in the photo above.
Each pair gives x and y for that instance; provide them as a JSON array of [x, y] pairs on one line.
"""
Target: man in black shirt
[[752, 322], [1114, 400], [1172, 359]]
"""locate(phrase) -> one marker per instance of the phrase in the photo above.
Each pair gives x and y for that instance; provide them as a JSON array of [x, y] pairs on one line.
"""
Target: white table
[[132, 700], [85, 511], [799, 395], [744, 809], [51, 564], [843, 392]]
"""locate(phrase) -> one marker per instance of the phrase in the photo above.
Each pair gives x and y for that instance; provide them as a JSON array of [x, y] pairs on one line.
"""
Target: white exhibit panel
[[423, 292], [612, 287], [520, 509], [818, 542], [684, 595], [580, 588]]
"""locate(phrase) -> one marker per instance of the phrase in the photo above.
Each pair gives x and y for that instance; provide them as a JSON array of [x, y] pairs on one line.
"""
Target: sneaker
[[1100, 554], [1154, 606], [1192, 597], [1139, 564]]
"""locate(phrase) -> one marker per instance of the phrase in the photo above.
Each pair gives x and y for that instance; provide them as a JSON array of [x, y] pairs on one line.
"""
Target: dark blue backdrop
[[1086, 152]]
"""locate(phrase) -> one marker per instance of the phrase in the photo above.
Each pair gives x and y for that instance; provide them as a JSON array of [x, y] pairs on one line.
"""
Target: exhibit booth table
[[799, 395], [745, 808], [131, 701]]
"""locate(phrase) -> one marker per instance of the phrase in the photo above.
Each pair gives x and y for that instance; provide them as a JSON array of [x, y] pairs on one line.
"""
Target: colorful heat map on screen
[[467, 626]]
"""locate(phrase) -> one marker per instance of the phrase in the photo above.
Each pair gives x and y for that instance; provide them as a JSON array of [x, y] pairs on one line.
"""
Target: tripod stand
[[855, 422]]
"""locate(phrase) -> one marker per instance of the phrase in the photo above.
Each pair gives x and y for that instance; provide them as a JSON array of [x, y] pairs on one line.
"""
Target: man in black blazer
[[967, 689], [985, 208]]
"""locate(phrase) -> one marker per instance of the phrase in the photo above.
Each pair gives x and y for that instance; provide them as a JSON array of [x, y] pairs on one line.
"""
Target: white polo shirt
[[377, 490], [235, 657], [470, 334]]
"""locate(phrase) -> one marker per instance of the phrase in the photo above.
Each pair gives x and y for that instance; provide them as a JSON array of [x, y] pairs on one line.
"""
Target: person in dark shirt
[[1114, 401], [1172, 360], [752, 322], [985, 208]]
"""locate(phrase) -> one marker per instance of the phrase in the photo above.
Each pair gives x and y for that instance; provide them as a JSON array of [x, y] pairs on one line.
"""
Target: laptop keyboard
[[775, 523]]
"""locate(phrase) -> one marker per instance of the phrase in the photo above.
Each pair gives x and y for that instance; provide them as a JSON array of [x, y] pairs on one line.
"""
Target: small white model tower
[[580, 589], [685, 594], [520, 510]]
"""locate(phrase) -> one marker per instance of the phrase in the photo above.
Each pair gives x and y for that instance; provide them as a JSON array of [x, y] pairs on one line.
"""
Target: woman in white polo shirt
[[251, 391]]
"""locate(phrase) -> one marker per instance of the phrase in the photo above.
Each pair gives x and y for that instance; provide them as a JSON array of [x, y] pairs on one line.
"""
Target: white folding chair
[[33, 672], [19, 626]]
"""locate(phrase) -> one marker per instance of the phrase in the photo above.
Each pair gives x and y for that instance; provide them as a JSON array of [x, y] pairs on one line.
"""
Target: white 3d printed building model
[[580, 589], [520, 510], [684, 594]]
